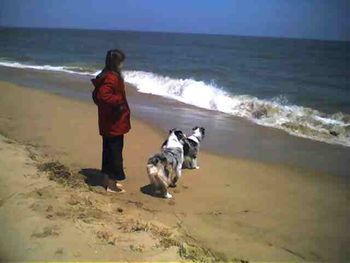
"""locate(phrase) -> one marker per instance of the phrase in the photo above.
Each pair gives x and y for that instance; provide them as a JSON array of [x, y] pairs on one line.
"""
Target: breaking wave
[[296, 120], [277, 113], [66, 69]]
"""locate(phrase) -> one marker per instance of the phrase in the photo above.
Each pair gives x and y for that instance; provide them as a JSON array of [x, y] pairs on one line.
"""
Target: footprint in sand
[[171, 202], [59, 251], [47, 232], [49, 208], [106, 237], [215, 213], [77, 254]]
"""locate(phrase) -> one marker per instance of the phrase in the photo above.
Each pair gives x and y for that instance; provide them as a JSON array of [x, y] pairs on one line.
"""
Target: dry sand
[[48, 212], [239, 209]]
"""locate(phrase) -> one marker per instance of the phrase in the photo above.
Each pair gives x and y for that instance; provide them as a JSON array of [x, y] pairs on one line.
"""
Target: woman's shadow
[[93, 177]]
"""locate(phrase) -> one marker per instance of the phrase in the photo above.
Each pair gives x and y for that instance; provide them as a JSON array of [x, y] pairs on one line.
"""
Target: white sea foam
[[296, 120], [72, 70]]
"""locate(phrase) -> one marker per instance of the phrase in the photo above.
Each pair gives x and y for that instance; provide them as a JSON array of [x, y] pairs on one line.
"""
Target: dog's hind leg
[[163, 186], [194, 164], [164, 190], [187, 163], [152, 175], [177, 176]]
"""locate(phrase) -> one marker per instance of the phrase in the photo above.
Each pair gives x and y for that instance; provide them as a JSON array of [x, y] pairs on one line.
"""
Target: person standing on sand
[[113, 118]]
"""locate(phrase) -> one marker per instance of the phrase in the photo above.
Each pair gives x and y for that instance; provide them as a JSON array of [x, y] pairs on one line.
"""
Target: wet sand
[[227, 135], [238, 208]]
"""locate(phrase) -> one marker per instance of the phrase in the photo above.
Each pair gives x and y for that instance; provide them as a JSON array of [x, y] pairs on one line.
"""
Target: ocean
[[299, 86], [281, 101]]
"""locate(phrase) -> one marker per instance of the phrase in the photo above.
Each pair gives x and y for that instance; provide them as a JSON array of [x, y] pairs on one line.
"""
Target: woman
[[113, 118]]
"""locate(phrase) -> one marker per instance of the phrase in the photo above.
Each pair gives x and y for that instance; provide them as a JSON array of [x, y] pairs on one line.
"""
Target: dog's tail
[[154, 160], [153, 165]]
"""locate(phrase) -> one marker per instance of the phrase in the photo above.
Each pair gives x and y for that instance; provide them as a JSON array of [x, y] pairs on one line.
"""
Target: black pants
[[112, 157]]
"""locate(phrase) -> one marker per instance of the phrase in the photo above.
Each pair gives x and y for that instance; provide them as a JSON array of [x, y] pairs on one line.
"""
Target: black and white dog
[[164, 168], [191, 148]]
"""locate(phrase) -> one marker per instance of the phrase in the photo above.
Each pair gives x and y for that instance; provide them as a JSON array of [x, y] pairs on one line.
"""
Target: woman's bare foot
[[117, 190], [106, 182], [113, 187]]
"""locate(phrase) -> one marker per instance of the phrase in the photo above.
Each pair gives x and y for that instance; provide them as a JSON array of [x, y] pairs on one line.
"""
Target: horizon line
[[171, 32]]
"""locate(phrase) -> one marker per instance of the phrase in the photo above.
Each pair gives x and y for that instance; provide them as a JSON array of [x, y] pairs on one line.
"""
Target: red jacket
[[113, 109]]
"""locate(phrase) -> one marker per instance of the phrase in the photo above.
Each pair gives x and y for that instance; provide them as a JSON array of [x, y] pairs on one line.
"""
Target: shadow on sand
[[93, 177], [149, 190]]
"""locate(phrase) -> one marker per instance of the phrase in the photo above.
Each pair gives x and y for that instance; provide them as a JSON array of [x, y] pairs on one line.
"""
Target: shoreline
[[239, 208], [228, 135], [316, 126]]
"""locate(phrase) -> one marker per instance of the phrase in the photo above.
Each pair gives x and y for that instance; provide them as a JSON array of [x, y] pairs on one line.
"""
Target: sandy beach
[[228, 135], [228, 209]]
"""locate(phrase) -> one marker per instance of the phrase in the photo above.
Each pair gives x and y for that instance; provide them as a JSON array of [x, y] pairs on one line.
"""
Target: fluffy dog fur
[[164, 168]]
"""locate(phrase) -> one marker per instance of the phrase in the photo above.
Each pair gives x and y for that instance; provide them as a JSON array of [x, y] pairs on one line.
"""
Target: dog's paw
[[197, 167], [168, 196]]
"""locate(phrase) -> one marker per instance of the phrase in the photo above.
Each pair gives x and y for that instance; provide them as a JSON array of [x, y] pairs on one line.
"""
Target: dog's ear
[[202, 130], [186, 147], [195, 128], [179, 134], [170, 131], [164, 143]]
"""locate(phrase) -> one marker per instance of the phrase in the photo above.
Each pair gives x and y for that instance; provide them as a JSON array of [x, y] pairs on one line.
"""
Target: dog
[[191, 148], [164, 168]]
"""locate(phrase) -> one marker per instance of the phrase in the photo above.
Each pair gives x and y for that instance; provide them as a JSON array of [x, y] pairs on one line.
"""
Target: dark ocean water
[[300, 86]]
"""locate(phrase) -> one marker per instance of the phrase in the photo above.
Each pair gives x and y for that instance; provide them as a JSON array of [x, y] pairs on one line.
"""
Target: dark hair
[[113, 58]]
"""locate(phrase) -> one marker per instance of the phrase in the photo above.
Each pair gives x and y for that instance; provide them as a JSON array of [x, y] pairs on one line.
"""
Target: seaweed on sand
[[61, 174]]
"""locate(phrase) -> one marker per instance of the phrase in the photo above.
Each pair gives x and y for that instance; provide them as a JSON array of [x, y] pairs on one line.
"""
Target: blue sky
[[316, 19]]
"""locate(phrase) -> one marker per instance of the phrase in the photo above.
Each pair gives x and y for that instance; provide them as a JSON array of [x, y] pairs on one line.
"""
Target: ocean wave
[[277, 113], [296, 120], [66, 69]]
